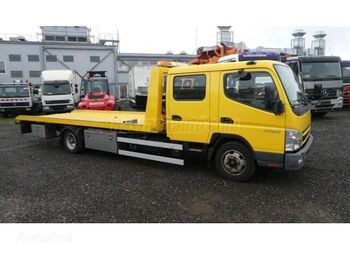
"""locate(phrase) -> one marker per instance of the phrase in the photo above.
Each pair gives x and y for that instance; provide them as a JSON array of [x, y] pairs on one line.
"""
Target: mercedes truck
[[321, 79]]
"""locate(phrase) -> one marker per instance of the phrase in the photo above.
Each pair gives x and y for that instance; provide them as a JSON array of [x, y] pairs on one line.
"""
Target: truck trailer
[[239, 115]]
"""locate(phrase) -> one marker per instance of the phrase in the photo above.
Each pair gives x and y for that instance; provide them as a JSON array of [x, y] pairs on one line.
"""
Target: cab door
[[187, 110], [245, 109]]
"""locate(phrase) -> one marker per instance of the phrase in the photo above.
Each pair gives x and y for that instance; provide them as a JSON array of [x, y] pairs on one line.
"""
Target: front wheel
[[73, 141], [234, 161]]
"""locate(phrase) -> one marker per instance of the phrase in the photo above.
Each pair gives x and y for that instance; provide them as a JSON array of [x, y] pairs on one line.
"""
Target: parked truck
[[18, 97], [322, 81], [239, 115], [346, 82], [95, 92], [60, 90], [139, 77]]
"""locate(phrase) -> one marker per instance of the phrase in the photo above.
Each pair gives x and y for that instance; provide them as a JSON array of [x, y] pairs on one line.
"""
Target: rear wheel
[[234, 161], [73, 141]]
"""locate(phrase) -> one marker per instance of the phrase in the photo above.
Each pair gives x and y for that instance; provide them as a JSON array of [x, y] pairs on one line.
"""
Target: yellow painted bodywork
[[263, 130], [151, 121]]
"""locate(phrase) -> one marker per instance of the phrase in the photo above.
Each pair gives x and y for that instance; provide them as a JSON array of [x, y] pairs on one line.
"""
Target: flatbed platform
[[118, 120]]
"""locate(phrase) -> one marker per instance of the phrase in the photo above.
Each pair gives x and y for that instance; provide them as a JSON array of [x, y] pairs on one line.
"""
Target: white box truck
[[138, 86], [60, 90]]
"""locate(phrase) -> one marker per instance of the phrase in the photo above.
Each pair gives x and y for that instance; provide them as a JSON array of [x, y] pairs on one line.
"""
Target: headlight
[[293, 140]]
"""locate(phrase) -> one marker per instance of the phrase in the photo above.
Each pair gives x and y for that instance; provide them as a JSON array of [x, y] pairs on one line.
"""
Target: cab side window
[[190, 87], [255, 89]]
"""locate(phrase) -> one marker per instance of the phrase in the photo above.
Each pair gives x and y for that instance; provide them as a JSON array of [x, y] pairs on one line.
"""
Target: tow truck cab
[[239, 115], [95, 92]]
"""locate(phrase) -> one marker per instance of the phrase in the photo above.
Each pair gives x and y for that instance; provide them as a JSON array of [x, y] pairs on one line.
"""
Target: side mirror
[[76, 90], [272, 101], [278, 107], [75, 85]]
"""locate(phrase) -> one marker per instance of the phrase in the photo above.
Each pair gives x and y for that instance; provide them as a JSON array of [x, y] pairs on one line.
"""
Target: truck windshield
[[14, 91], [321, 70], [96, 86], [293, 89], [56, 88]]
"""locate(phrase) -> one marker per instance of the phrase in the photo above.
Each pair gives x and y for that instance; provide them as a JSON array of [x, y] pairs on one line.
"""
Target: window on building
[[2, 68], [72, 38], [82, 39], [51, 58], [33, 58], [15, 58], [49, 38], [60, 38], [34, 74], [68, 58], [254, 89], [16, 74], [94, 59], [190, 87]]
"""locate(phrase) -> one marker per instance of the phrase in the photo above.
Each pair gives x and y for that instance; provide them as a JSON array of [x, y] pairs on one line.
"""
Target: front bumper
[[58, 108], [296, 160], [327, 105], [16, 110]]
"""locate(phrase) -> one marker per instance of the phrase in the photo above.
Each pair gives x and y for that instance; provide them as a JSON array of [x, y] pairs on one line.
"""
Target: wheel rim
[[234, 162], [71, 141]]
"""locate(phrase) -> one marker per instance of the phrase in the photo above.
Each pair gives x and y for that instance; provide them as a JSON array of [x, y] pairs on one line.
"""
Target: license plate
[[96, 103], [326, 103]]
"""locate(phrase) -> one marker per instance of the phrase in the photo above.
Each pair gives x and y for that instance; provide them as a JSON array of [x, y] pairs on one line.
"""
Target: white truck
[[60, 90], [138, 86]]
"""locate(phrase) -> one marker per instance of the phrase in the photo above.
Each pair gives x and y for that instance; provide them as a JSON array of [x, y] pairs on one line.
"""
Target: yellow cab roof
[[223, 66]]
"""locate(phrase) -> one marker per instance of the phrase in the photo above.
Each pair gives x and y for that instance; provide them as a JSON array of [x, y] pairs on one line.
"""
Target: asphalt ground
[[40, 182]]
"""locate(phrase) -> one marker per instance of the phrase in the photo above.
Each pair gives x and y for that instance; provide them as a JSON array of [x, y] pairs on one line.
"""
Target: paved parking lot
[[40, 182]]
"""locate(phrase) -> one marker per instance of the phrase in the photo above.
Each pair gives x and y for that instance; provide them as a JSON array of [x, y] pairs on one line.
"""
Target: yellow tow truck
[[240, 115]]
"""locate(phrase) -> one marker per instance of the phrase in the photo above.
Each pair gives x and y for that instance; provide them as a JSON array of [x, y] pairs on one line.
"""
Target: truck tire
[[234, 161], [73, 141]]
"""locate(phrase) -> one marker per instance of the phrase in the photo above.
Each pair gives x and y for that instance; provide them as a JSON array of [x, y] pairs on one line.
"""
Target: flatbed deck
[[118, 120]]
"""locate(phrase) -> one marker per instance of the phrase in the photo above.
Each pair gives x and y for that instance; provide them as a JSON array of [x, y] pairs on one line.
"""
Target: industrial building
[[66, 47]]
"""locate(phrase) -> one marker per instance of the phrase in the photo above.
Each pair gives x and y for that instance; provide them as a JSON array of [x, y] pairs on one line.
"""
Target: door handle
[[226, 120], [176, 118]]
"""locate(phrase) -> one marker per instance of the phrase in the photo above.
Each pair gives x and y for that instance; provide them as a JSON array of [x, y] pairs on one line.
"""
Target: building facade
[[71, 48]]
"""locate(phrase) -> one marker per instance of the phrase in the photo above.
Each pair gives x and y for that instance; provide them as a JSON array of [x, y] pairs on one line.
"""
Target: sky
[[160, 26]]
